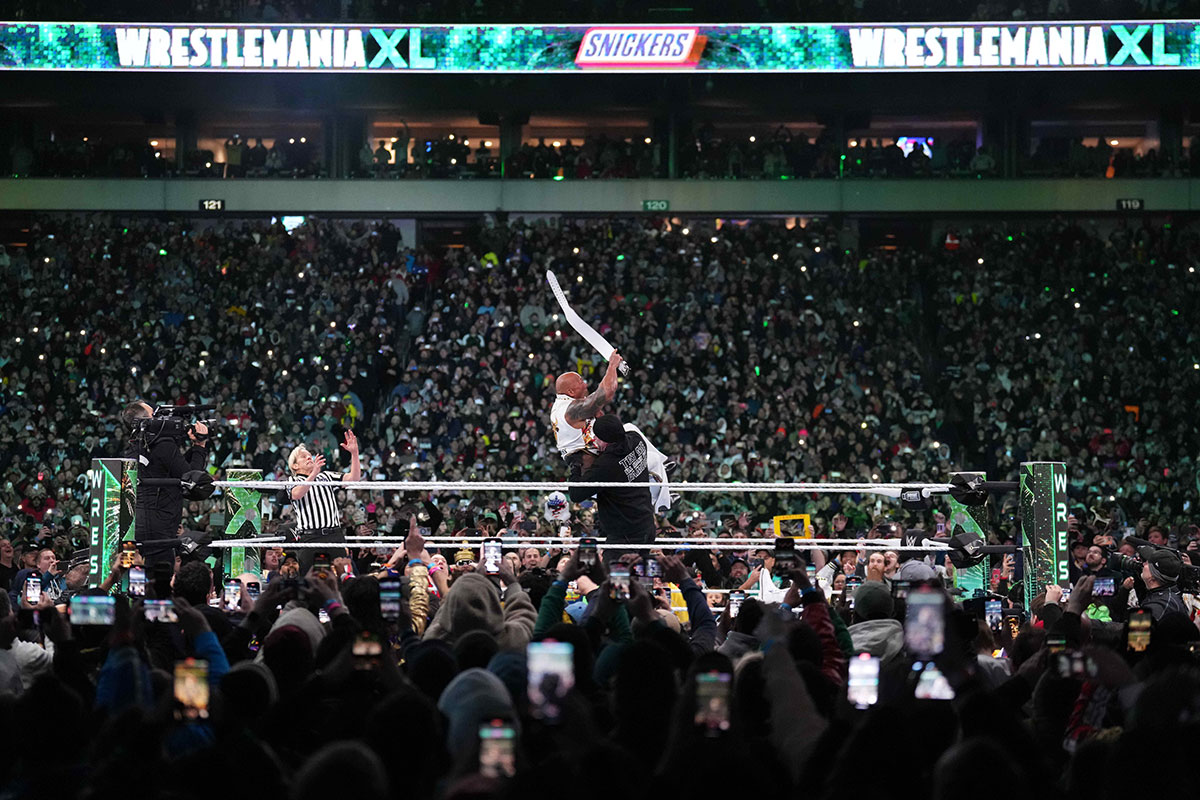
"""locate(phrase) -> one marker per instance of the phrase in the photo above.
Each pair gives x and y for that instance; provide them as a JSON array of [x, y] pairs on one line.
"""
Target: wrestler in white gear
[[575, 410]]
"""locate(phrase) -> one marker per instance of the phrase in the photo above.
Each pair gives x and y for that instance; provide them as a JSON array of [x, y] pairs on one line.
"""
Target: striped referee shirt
[[318, 507]]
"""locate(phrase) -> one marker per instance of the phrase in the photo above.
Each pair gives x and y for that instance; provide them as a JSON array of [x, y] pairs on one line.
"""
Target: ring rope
[[801, 544], [887, 489], [873, 544]]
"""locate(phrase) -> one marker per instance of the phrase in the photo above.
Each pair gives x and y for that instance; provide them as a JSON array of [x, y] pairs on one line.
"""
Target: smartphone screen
[[1074, 664], [492, 553], [233, 594], [33, 589], [551, 670], [321, 567], [863, 687], [993, 614], [736, 598], [925, 623], [712, 702], [92, 610], [587, 552], [137, 582], [191, 688], [367, 651], [497, 749], [932, 684], [811, 571], [389, 599], [160, 611], [253, 588], [1014, 625], [785, 555], [652, 568], [900, 589], [619, 583], [1104, 587], [852, 584], [1138, 631]]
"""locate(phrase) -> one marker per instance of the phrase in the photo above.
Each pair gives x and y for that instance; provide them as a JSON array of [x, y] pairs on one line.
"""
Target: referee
[[318, 518]]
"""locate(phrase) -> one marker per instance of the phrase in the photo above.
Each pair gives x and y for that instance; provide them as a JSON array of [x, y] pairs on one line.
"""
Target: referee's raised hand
[[318, 462], [350, 445]]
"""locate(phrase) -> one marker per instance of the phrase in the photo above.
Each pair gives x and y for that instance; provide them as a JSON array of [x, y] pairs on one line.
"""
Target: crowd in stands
[[97, 157], [852, 362], [707, 154], [758, 352], [577, 11]]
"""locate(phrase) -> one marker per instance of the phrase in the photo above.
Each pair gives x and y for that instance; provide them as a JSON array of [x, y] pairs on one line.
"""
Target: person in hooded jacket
[[874, 631], [475, 603]]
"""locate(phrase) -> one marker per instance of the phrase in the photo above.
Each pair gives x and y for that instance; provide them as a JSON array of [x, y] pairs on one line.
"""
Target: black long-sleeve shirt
[[166, 462], [624, 513]]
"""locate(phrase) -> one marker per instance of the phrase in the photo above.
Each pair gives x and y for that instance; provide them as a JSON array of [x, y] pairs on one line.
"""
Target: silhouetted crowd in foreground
[[422, 676]]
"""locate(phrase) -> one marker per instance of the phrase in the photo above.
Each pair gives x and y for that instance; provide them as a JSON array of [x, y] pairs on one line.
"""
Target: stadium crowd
[[760, 351], [576, 11], [991, 347], [705, 154]]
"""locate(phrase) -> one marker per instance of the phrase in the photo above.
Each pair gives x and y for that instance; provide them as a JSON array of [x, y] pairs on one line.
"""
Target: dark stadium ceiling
[[765, 97]]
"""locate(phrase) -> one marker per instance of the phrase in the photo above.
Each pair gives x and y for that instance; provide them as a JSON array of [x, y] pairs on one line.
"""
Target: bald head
[[570, 384]]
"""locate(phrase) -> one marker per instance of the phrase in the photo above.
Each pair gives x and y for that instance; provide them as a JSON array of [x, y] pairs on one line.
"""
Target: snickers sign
[[653, 47]]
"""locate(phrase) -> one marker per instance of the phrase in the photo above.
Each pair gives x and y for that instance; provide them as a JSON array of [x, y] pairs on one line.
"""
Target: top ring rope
[[668, 542], [885, 489]]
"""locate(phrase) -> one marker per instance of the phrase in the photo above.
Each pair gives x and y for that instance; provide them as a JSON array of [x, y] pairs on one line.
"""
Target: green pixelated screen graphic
[[936, 47]]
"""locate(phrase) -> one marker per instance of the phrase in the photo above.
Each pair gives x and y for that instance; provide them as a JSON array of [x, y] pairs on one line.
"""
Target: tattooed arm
[[585, 408]]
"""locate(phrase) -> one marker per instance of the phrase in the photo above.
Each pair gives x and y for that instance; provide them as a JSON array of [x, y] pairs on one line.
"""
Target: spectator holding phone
[[873, 630]]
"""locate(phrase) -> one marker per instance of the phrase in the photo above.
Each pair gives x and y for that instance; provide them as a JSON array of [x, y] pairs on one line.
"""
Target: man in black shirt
[[624, 513]]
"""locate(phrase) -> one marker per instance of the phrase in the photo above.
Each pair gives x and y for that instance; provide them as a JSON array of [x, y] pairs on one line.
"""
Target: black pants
[[156, 531], [306, 555]]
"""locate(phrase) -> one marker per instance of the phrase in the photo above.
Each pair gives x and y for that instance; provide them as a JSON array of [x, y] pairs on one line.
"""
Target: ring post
[[113, 484], [1044, 525], [243, 509], [973, 519]]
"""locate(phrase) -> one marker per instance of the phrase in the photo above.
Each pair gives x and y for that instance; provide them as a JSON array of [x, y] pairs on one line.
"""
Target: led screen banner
[[941, 47]]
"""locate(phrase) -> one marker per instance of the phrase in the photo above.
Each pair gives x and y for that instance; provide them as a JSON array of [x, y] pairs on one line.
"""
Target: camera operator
[[1160, 572], [159, 509]]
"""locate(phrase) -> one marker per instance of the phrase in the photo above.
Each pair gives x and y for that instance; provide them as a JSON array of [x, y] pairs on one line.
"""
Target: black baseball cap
[[1167, 562], [609, 428]]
